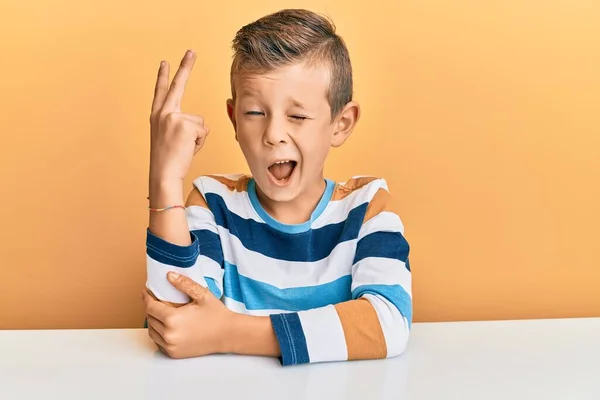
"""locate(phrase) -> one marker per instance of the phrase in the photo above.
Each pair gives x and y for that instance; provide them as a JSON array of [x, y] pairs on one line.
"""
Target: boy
[[282, 262]]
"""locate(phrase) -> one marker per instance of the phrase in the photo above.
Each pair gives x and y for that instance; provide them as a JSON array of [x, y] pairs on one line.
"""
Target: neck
[[298, 210]]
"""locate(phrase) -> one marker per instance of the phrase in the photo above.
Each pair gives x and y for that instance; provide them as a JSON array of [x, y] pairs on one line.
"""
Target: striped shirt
[[337, 287]]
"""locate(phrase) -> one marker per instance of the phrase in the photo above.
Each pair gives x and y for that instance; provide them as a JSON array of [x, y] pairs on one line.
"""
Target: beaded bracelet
[[163, 209], [166, 208]]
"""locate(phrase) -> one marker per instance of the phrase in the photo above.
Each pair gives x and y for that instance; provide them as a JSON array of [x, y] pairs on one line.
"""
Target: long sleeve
[[376, 322], [202, 260]]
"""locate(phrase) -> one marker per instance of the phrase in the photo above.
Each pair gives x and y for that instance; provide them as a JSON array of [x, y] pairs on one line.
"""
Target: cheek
[[248, 135], [316, 148]]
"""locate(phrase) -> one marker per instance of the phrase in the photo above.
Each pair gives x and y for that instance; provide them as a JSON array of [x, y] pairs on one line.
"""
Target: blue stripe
[[291, 338], [382, 244], [210, 245], [309, 246], [258, 295], [171, 254], [393, 293], [231, 283], [212, 286]]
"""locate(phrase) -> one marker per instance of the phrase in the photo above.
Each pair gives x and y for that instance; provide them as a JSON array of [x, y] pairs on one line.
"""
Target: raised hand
[[175, 136]]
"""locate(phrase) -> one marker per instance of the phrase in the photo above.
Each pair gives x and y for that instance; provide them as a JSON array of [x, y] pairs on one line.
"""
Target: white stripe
[[210, 269], [199, 217], [236, 202], [287, 274], [394, 325], [385, 221], [381, 271], [337, 211], [157, 281], [240, 308], [324, 334]]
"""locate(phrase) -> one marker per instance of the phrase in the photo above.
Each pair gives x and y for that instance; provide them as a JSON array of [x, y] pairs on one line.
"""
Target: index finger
[[173, 100], [161, 87], [186, 285]]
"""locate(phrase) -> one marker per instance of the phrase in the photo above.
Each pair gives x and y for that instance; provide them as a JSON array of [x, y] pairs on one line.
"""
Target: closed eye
[[299, 117], [254, 113]]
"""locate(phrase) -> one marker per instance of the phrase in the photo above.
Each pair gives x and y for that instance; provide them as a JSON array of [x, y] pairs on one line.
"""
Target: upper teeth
[[281, 162]]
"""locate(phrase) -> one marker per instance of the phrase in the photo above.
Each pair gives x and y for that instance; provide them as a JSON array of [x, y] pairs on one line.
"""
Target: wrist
[[165, 192], [229, 340], [249, 335]]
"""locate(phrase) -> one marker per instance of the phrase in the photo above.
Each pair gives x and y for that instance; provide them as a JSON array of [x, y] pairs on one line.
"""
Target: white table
[[537, 359]]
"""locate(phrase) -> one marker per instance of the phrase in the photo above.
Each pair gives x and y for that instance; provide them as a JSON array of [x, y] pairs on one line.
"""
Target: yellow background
[[484, 116]]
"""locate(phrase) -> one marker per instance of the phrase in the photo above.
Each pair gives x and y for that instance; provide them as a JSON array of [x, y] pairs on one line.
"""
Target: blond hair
[[292, 36]]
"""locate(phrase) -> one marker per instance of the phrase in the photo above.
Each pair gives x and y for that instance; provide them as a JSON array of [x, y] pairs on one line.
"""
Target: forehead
[[300, 82]]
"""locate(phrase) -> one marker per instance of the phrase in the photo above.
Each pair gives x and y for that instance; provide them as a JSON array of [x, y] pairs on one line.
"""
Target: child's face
[[283, 125]]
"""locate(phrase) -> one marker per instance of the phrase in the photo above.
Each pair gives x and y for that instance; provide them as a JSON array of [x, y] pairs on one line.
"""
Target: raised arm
[[180, 237]]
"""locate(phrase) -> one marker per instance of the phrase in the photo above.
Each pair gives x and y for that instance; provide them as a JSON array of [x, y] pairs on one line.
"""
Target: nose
[[275, 132]]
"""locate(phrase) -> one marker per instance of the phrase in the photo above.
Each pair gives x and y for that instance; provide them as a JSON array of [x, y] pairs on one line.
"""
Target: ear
[[344, 123], [231, 114]]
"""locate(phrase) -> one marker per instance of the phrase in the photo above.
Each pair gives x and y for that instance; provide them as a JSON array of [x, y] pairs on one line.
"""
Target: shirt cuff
[[292, 342], [171, 254]]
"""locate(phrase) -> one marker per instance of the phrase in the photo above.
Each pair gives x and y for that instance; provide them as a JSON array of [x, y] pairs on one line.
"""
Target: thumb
[[186, 285]]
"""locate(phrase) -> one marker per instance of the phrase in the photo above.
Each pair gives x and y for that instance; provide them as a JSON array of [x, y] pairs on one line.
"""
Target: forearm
[[170, 225], [251, 335], [365, 328]]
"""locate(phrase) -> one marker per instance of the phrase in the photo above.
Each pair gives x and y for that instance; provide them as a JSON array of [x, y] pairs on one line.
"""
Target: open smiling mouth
[[281, 171]]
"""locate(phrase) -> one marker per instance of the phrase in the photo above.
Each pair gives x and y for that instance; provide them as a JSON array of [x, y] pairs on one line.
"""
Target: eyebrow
[[253, 93], [247, 92], [296, 103]]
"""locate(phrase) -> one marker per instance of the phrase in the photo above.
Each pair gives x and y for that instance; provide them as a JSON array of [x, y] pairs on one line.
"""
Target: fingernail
[[189, 54], [162, 64], [174, 275]]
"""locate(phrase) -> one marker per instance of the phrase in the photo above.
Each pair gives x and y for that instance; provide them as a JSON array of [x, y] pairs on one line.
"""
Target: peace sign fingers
[[161, 88], [175, 137], [172, 101]]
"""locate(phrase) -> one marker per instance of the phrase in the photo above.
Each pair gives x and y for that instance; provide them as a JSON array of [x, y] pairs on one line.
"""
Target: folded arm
[[186, 242], [374, 324]]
